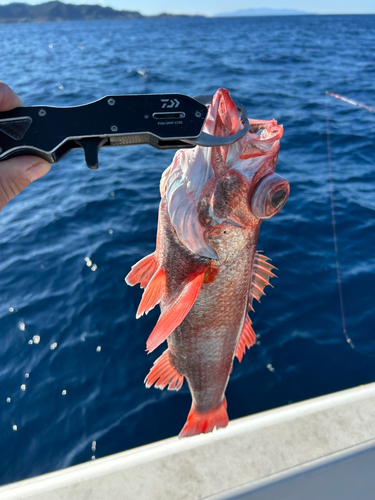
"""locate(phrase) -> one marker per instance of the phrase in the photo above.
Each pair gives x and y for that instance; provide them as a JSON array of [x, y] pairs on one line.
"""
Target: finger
[[18, 173], [8, 98]]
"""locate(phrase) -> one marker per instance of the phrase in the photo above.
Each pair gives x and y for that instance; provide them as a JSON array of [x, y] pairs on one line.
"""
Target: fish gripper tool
[[164, 121]]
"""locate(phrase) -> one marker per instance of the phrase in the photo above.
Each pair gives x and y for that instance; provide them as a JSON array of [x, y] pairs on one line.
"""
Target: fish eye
[[269, 196], [278, 199]]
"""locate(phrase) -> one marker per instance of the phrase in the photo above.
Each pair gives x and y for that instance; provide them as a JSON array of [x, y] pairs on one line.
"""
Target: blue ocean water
[[72, 353]]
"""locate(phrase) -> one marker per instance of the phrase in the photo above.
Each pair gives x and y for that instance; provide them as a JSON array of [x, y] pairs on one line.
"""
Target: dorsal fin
[[179, 306], [163, 374], [142, 271], [262, 272], [247, 339]]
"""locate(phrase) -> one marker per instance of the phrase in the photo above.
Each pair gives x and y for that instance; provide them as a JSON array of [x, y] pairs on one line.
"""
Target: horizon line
[[217, 15]]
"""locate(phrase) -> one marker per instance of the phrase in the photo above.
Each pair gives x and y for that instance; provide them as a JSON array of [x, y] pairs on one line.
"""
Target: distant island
[[59, 11], [263, 12]]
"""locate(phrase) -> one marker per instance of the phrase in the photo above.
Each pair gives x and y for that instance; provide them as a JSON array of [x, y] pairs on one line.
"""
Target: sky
[[212, 7]]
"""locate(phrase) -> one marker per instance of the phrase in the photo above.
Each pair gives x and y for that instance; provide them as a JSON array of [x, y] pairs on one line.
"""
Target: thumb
[[18, 173]]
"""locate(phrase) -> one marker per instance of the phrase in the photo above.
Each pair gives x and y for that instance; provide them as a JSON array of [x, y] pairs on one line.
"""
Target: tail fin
[[199, 423]]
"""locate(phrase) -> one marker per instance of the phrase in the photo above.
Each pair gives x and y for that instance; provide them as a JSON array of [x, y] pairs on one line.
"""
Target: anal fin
[[198, 423], [177, 309], [142, 271], [247, 339], [163, 374]]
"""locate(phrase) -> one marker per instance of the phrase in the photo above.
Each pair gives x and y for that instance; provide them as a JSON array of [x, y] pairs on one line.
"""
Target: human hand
[[17, 173]]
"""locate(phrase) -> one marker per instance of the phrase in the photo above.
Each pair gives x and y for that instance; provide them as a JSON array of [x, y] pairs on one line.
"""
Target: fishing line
[[331, 192], [329, 155]]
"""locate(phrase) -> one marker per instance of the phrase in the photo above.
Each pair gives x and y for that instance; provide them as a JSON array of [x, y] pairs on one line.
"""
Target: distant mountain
[[59, 11], [262, 12]]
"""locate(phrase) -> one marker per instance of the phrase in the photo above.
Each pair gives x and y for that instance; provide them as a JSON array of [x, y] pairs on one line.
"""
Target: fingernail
[[38, 170]]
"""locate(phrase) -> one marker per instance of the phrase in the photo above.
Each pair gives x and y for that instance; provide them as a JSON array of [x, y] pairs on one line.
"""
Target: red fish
[[205, 271]]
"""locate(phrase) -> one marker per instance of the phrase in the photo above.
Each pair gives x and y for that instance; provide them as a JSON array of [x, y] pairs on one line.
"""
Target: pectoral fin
[[179, 306]]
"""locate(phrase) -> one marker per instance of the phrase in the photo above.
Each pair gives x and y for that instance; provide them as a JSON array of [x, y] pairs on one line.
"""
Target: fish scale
[[217, 318]]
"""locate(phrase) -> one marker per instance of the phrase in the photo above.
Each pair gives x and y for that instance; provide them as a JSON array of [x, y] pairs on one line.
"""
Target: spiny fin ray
[[262, 272]]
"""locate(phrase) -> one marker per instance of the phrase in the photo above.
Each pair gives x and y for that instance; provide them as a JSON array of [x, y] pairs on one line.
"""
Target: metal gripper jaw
[[164, 121]]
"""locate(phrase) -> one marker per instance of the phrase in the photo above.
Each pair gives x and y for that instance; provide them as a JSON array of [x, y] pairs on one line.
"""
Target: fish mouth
[[193, 175]]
